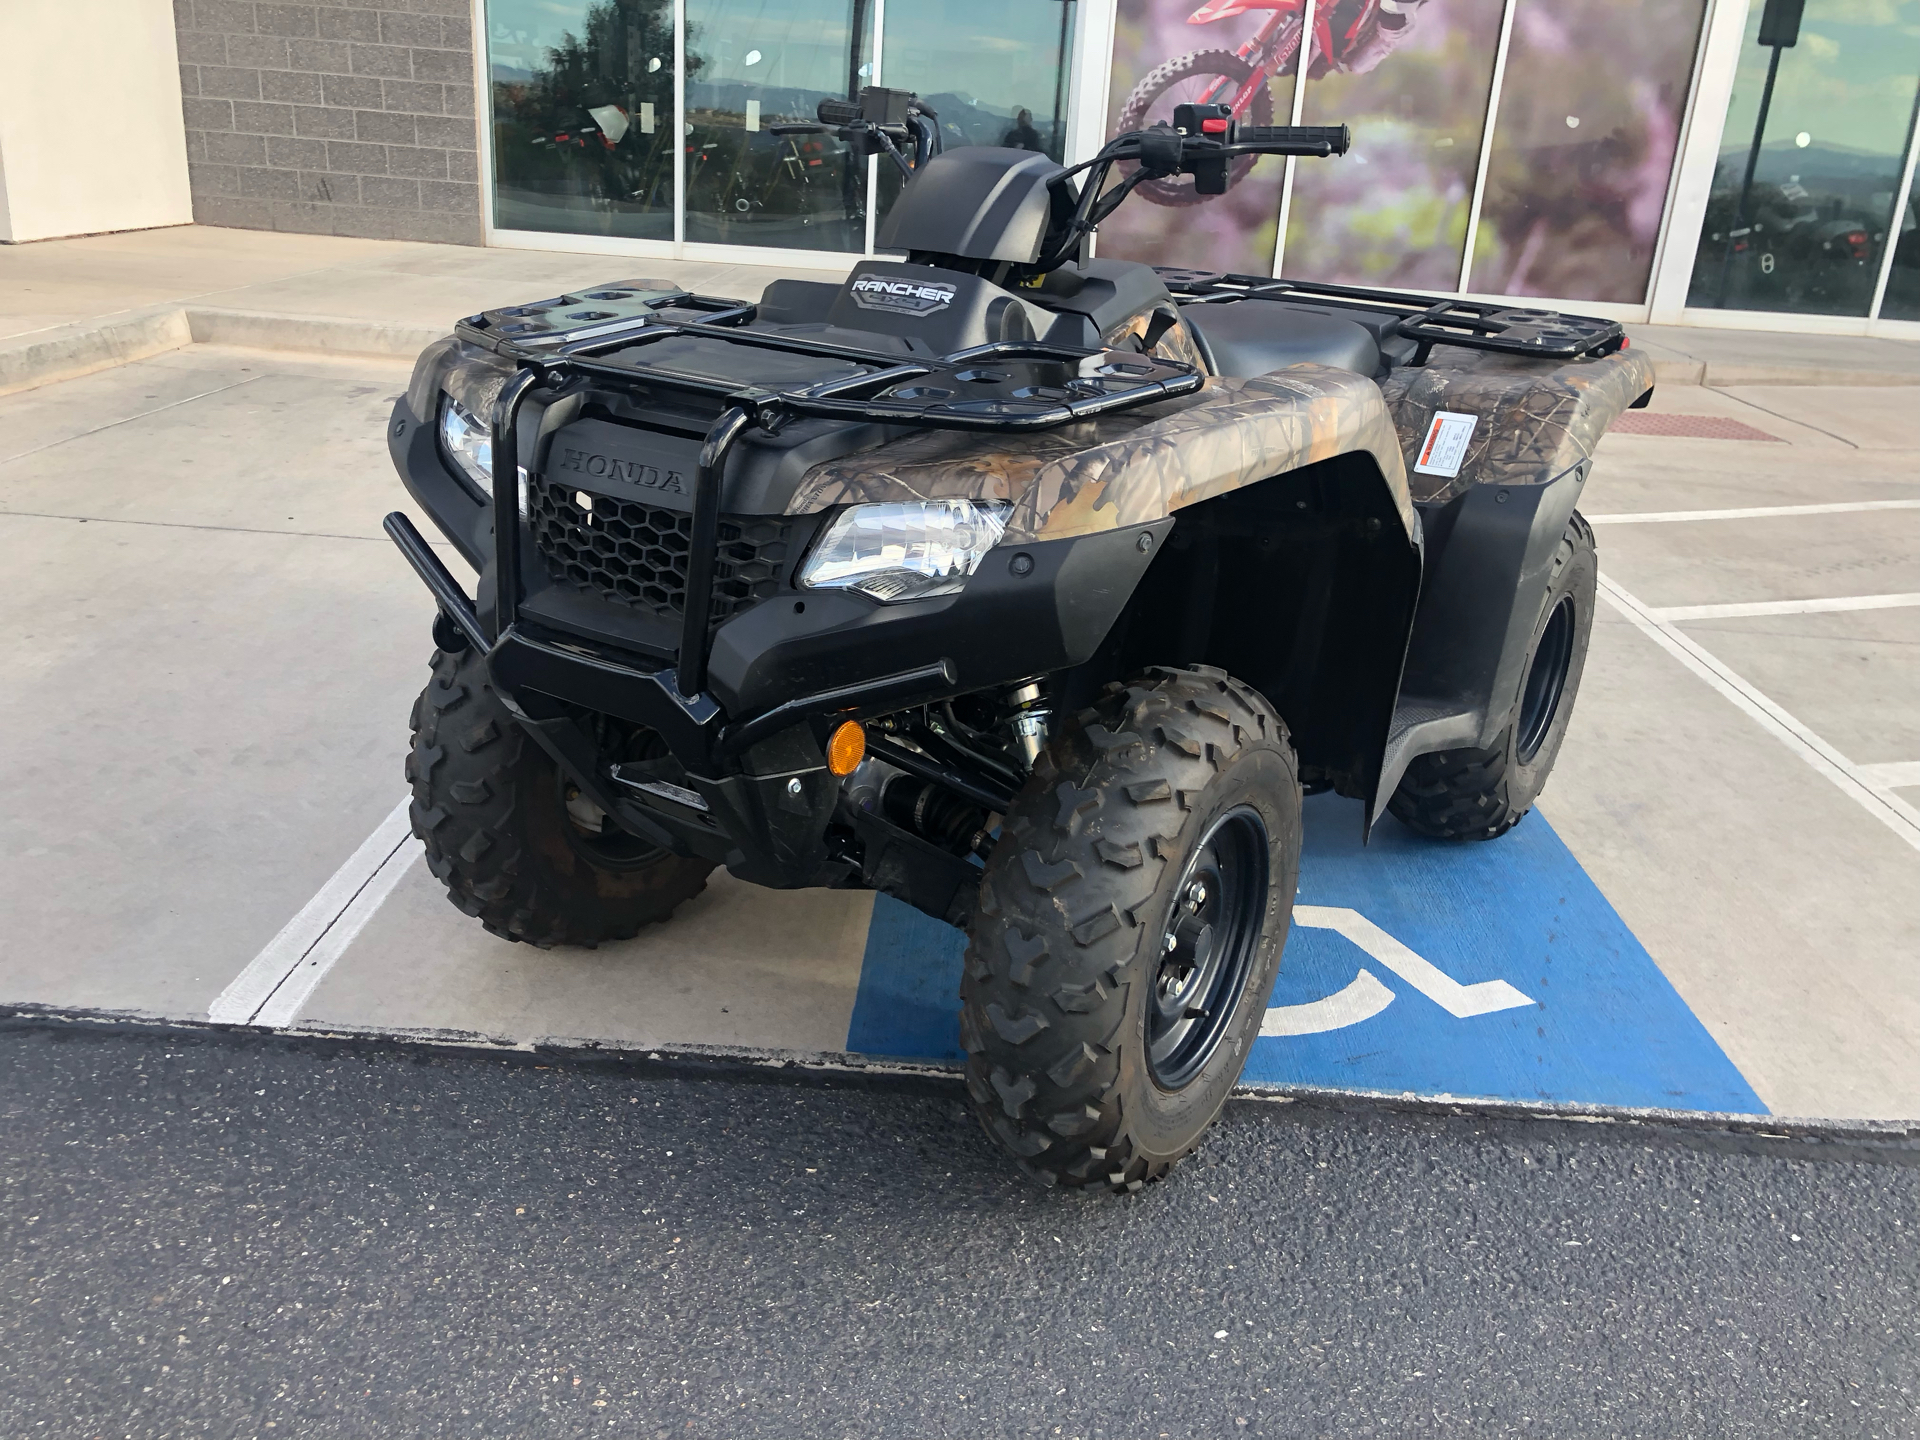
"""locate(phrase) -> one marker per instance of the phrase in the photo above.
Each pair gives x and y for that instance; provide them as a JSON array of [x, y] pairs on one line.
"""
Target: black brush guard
[[1009, 387]]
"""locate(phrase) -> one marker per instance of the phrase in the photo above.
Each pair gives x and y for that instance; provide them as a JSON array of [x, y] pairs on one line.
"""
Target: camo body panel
[[1537, 421], [1134, 467]]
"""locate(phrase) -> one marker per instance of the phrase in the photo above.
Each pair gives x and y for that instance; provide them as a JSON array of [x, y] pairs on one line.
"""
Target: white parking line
[[1668, 614], [1892, 773], [1890, 810], [277, 981], [1756, 512]]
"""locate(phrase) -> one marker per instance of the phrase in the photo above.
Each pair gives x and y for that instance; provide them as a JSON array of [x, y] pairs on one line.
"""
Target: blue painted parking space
[[1491, 971]]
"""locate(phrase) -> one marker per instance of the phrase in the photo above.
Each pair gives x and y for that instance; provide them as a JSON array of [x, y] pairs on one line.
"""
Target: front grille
[[636, 554]]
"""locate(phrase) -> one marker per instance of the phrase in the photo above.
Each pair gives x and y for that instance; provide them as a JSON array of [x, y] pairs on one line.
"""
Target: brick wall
[[354, 117]]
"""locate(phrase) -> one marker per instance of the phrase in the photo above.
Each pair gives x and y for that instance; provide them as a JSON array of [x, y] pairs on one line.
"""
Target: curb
[[70, 351], [1886, 1141], [1700, 372], [264, 330]]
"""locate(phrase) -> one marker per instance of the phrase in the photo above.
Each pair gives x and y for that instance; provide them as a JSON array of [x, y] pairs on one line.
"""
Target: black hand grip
[[838, 112], [1319, 140]]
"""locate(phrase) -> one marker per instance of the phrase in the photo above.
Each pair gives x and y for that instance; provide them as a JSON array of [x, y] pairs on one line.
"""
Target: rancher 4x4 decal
[[904, 297]]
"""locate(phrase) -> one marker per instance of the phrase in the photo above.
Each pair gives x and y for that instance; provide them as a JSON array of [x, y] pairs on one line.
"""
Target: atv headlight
[[453, 388], [468, 442], [906, 551]]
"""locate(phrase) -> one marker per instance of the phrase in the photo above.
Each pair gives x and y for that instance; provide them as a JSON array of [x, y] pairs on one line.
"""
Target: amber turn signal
[[847, 747]]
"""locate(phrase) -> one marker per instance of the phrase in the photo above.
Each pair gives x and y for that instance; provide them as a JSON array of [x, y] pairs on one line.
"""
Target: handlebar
[[881, 122], [838, 112], [1201, 142], [1320, 141]]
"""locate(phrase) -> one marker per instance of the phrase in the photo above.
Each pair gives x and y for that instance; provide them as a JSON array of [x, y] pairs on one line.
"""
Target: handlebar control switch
[[1206, 122]]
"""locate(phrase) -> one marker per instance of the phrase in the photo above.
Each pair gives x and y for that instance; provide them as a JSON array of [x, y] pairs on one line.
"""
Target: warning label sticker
[[1445, 448]]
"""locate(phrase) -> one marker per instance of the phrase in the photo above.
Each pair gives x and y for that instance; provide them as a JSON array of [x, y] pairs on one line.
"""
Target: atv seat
[[1251, 337]]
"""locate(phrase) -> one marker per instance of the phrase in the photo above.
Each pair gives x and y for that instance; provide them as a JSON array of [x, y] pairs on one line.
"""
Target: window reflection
[[1803, 196], [995, 71], [753, 67], [1902, 300], [582, 116]]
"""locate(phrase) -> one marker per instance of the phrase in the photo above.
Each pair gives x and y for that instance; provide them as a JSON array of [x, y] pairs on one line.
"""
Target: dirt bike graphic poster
[[1570, 213]]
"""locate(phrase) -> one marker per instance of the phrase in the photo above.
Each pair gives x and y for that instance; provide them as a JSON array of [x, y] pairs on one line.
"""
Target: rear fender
[[1492, 528]]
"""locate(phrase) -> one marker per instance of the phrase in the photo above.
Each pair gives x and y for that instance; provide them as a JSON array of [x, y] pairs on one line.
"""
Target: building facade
[[1716, 162]]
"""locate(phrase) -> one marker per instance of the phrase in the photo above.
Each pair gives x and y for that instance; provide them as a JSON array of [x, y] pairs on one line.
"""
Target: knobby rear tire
[[1481, 794]]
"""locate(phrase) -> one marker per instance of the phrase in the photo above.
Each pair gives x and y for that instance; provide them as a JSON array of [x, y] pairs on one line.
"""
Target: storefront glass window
[[1393, 211], [1902, 300], [754, 66], [582, 116], [1806, 232], [1584, 141], [1169, 52], [994, 70]]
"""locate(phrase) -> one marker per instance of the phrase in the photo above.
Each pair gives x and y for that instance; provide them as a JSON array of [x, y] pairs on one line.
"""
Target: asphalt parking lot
[[215, 650], [244, 1236]]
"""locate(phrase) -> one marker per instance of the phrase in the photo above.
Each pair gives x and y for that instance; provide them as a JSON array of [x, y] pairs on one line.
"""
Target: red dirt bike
[[1237, 78]]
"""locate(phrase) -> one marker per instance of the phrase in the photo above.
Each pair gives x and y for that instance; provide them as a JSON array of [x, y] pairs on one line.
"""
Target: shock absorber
[[1032, 719]]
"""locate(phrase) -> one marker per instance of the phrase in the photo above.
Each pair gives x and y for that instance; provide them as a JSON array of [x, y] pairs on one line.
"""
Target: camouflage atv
[[1028, 588]]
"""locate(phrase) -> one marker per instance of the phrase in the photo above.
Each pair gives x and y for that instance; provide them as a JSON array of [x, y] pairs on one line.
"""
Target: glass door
[[754, 67], [995, 71], [1811, 160], [582, 116]]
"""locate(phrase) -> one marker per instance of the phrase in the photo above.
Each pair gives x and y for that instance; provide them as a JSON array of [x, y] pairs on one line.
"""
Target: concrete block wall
[[353, 117]]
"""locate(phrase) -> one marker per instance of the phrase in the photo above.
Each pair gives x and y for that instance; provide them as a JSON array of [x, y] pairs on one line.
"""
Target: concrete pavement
[[215, 650]]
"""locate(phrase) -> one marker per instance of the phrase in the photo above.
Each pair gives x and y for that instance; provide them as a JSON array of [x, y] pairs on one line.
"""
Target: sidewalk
[[71, 306]]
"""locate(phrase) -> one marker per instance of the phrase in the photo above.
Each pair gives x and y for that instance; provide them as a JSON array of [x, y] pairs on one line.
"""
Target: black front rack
[[1468, 324], [1013, 385], [603, 336]]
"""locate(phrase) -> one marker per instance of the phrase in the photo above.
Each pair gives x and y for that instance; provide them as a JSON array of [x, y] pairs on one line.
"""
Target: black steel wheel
[[1480, 794], [1130, 924], [1546, 680], [1208, 949]]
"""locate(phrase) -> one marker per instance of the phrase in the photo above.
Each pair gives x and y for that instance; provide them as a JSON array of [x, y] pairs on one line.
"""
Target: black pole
[[853, 49], [1060, 80]]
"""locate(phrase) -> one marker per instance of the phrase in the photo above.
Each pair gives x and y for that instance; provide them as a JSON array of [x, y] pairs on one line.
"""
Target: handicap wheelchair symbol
[[1366, 996]]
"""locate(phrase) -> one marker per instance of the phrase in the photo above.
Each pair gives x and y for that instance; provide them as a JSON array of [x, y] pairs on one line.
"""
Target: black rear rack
[[1468, 324], [602, 336]]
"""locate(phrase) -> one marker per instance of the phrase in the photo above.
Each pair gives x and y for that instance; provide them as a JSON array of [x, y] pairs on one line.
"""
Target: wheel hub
[[1207, 947], [1546, 680]]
